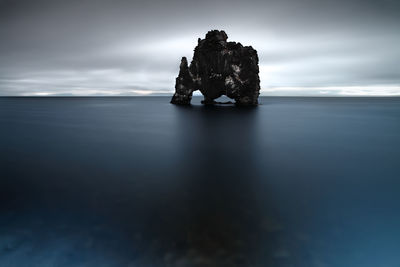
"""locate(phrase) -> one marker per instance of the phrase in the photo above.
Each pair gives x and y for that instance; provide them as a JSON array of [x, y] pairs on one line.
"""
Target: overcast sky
[[121, 47]]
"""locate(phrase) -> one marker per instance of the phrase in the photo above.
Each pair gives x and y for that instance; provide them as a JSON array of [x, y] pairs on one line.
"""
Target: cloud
[[376, 90], [127, 47]]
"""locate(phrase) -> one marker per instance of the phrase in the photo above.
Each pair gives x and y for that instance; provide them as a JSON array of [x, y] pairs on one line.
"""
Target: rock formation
[[219, 68]]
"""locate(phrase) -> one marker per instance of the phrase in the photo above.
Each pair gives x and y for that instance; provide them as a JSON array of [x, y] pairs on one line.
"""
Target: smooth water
[[140, 182]]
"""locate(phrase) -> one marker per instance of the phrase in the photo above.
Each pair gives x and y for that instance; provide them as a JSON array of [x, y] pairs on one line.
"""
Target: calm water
[[139, 182]]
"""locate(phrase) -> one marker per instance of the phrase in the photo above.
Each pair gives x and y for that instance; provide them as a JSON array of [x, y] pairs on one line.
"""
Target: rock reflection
[[219, 219]]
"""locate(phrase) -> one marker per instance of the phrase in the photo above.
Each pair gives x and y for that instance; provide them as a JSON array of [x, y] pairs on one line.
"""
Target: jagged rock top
[[219, 68]]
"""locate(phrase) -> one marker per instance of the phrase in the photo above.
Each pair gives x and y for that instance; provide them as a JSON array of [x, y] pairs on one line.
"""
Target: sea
[[137, 181]]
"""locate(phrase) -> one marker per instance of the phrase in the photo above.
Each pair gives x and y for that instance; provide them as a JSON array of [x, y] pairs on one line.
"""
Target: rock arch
[[219, 68]]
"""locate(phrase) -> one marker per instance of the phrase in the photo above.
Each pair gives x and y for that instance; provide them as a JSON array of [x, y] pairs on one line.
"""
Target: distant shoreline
[[169, 96]]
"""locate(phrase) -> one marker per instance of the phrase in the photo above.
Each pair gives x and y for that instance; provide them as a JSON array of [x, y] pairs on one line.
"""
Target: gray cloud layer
[[131, 47]]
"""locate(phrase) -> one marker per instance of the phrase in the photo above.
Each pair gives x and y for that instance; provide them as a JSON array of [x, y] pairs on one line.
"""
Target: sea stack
[[219, 68]]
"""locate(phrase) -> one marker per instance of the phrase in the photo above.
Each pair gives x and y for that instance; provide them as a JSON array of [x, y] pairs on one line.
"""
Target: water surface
[[139, 182]]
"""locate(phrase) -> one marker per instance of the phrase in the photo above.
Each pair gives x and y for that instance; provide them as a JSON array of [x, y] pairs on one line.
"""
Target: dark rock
[[219, 68], [183, 85]]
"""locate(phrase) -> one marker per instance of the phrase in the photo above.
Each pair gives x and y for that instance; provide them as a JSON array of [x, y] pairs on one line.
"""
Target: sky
[[121, 47]]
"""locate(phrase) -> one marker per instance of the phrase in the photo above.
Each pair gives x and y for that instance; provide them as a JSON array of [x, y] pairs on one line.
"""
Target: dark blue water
[[139, 182]]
